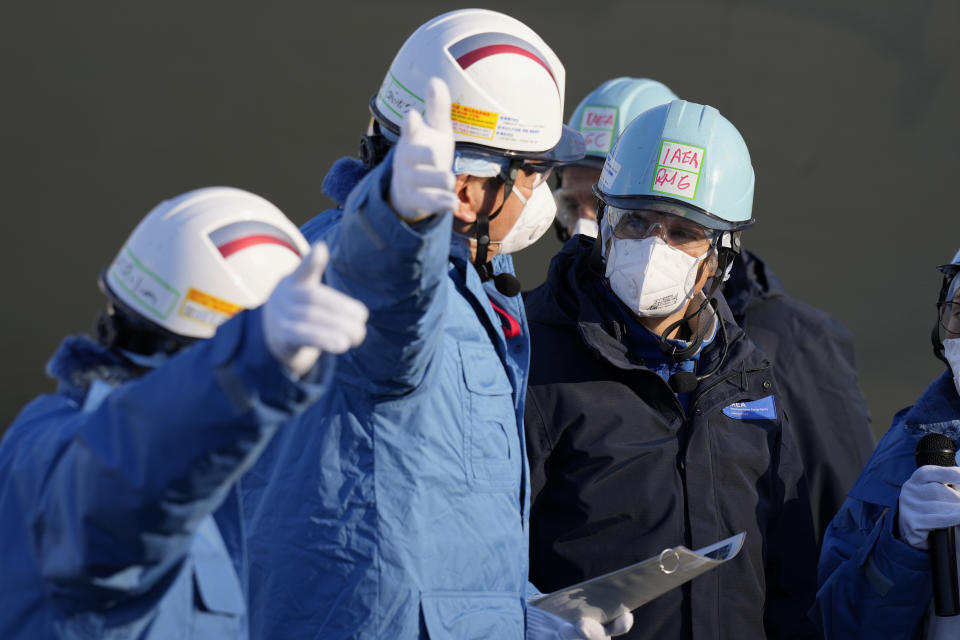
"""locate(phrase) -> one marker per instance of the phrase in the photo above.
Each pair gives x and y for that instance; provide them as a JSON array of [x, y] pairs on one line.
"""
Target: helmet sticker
[[207, 309], [597, 125], [611, 169], [473, 122], [396, 97], [145, 286], [510, 131], [678, 169]]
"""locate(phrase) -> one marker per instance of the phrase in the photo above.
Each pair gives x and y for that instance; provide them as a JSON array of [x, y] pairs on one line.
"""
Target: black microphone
[[937, 449], [507, 284], [683, 381]]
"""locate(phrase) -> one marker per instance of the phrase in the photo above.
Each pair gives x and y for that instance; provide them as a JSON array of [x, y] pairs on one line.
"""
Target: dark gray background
[[849, 112]]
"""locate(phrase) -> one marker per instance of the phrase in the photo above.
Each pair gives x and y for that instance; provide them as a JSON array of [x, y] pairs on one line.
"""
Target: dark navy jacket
[[813, 358], [872, 584], [619, 470]]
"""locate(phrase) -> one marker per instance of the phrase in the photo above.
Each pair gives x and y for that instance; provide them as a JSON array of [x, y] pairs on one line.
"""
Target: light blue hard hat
[[681, 158], [605, 112]]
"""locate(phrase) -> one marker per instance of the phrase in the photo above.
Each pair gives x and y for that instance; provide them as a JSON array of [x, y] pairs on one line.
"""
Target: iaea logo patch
[[762, 409]]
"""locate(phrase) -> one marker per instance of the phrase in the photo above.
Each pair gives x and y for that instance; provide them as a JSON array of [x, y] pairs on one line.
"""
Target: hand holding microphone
[[929, 509], [304, 317], [422, 181]]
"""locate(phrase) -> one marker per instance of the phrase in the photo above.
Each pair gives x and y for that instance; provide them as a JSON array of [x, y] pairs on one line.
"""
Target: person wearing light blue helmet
[[651, 419], [600, 117], [808, 347]]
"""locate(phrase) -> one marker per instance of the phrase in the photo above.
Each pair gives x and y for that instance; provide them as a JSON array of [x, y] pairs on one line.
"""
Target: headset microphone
[[683, 382], [507, 284]]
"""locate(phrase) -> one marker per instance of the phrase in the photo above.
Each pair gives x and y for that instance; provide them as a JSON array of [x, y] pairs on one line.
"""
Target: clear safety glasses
[[678, 232], [529, 176], [949, 309]]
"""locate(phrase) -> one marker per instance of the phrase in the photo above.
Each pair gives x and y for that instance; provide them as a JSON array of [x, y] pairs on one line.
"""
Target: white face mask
[[652, 278], [586, 227], [951, 351], [534, 220]]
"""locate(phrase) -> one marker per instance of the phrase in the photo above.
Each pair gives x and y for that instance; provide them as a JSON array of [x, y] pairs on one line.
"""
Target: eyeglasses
[[530, 175], [676, 231], [949, 310], [540, 173]]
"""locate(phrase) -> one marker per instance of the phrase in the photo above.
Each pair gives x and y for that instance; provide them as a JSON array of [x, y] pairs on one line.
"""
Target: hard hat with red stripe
[[197, 259], [506, 85]]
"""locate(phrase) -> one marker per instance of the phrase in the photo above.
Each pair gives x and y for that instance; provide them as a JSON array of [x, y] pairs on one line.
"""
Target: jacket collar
[[937, 411], [574, 295], [751, 281], [79, 361], [343, 176]]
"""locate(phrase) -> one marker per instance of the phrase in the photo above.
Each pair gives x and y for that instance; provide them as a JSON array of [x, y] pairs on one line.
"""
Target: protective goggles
[[488, 166], [949, 305], [530, 175], [680, 233]]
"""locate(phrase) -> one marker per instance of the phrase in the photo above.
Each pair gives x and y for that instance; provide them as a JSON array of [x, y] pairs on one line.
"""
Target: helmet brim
[[674, 207], [568, 150]]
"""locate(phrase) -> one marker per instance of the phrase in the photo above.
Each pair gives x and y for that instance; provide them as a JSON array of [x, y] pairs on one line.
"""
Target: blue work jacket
[[107, 489], [872, 584], [398, 506]]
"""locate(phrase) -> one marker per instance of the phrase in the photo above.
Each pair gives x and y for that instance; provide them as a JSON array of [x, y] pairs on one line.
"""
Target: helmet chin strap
[[483, 223], [728, 246], [678, 353]]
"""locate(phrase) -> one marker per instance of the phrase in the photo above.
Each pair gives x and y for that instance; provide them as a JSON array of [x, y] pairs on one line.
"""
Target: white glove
[[927, 503], [422, 182], [543, 625], [303, 316]]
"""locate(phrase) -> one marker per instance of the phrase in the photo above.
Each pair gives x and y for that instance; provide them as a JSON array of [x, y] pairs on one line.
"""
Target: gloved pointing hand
[[303, 316], [422, 182], [543, 625], [927, 503]]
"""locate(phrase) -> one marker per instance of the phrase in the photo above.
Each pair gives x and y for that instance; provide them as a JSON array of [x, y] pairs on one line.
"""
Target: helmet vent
[[483, 45], [237, 236]]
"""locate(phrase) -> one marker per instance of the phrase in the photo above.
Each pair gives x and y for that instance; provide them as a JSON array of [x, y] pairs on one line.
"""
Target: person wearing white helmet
[[398, 507], [110, 486], [651, 418], [878, 565], [809, 349]]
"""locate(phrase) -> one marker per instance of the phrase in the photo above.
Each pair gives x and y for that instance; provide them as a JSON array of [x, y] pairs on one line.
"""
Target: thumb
[[437, 110], [312, 267], [412, 122]]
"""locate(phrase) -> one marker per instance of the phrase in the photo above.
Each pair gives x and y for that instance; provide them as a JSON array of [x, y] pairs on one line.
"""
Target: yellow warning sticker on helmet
[[473, 122], [207, 309], [678, 169]]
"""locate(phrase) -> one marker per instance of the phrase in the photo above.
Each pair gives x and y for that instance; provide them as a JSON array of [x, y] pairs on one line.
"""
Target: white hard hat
[[505, 83], [197, 259]]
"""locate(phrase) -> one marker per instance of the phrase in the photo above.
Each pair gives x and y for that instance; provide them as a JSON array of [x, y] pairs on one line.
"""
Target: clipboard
[[608, 596]]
